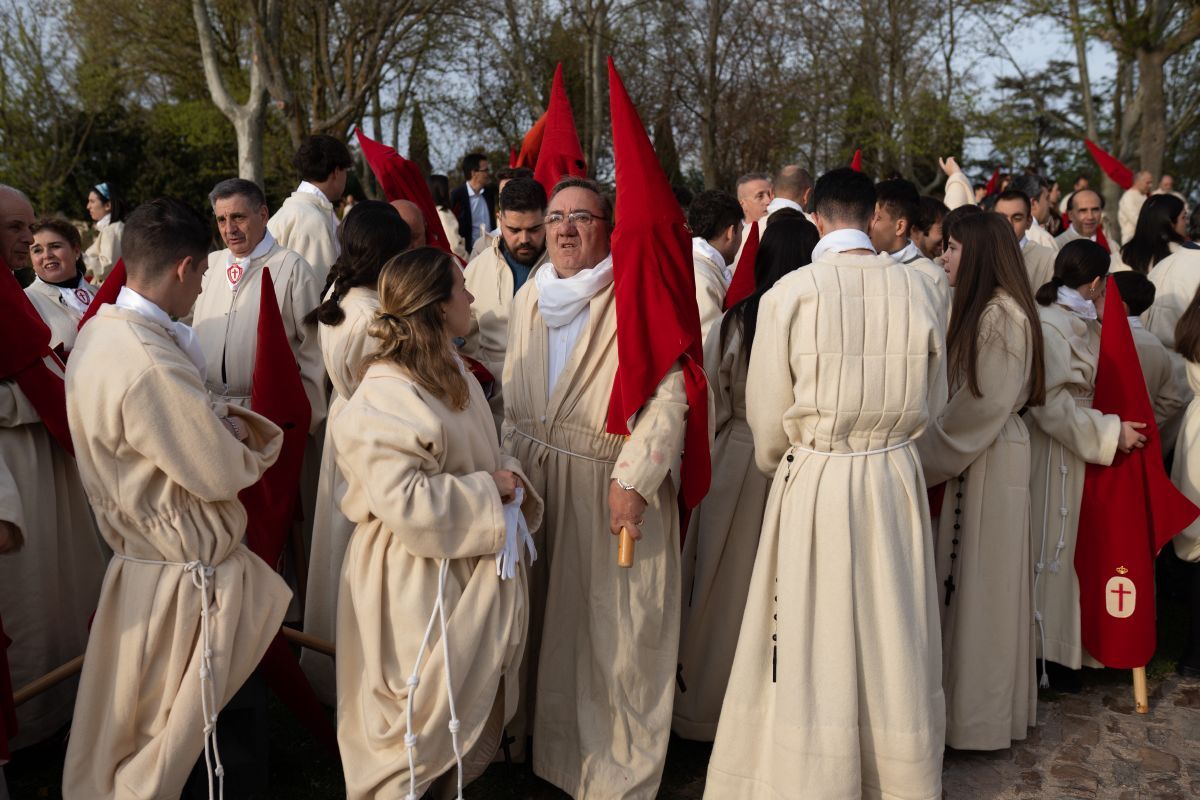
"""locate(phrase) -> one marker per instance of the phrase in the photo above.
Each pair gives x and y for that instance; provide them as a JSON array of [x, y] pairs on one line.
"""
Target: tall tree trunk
[[1153, 143], [598, 79], [1110, 190], [708, 93]]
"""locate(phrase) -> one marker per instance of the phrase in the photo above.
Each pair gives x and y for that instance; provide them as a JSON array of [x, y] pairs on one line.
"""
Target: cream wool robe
[[847, 361], [1167, 394], [605, 673], [420, 492], [1039, 264], [980, 448], [1185, 469], [718, 554], [1039, 235], [48, 589], [62, 319], [105, 250], [162, 474], [307, 225], [344, 348], [1067, 433], [490, 280], [711, 287]]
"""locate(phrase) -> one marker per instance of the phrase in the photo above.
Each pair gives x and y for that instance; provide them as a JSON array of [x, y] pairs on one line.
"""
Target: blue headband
[[102, 190]]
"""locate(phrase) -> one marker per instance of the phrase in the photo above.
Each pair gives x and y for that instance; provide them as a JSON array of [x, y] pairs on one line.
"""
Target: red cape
[[658, 323], [1129, 510]]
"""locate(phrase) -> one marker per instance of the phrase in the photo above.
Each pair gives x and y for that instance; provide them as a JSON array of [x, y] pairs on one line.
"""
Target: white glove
[[516, 532]]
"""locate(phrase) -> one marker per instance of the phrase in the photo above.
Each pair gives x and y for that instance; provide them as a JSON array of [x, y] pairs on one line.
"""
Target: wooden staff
[[625, 549], [48, 681], [308, 640], [1141, 700]]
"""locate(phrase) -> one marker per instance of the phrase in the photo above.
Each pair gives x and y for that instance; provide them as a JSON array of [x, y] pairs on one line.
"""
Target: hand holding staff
[[626, 508]]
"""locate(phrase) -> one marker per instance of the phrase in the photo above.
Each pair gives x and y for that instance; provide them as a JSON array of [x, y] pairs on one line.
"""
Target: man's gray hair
[[237, 186], [751, 176], [4, 187], [573, 182]]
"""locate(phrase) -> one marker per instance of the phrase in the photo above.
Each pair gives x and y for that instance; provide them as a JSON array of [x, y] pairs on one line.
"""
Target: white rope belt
[[875, 452], [569, 453], [201, 573]]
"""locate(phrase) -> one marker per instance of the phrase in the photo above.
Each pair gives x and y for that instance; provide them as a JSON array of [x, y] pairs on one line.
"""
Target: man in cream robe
[[48, 588], [713, 218], [499, 272], [793, 189], [1037, 190], [896, 206], [186, 611], [307, 221], [226, 314], [1085, 209], [605, 638], [836, 682], [1014, 206], [1131, 204], [754, 194]]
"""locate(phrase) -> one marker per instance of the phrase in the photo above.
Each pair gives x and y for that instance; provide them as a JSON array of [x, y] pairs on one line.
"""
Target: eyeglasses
[[584, 219]]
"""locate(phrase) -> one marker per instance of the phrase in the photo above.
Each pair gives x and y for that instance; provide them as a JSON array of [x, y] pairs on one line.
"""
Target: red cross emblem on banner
[[1120, 595], [234, 273]]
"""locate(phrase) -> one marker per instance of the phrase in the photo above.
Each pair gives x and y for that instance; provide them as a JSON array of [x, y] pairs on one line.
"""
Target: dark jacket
[[460, 205]]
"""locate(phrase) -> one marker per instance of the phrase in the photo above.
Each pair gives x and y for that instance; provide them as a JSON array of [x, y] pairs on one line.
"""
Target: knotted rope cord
[[200, 574]]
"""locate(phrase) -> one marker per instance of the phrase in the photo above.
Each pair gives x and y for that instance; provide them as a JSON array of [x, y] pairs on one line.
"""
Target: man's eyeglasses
[[583, 219]]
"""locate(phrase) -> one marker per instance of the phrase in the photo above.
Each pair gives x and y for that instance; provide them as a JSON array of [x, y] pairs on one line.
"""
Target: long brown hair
[[990, 262], [1187, 331], [410, 324]]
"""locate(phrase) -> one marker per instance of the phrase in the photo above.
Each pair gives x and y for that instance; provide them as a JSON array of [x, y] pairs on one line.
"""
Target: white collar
[[841, 240], [307, 188], [471, 191], [183, 335], [1079, 235], [77, 298], [782, 202], [909, 253], [1074, 302], [1136, 322], [1034, 224], [708, 251], [260, 250], [1024, 241], [104, 222], [561, 299]]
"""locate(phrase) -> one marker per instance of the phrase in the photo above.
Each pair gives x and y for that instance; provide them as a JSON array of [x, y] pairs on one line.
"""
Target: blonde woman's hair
[[410, 324]]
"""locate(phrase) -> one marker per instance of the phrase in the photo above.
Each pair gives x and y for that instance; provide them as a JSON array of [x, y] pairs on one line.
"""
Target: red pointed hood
[[23, 358], [401, 179], [1121, 174], [531, 145], [107, 294], [742, 285], [560, 153], [993, 184], [856, 162], [1129, 510], [658, 323]]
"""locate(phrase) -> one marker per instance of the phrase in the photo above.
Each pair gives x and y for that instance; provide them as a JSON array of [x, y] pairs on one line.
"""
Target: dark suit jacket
[[460, 204]]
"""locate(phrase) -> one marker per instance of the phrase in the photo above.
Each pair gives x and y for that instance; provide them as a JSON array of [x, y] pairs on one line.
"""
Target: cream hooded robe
[[1185, 470], [48, 589], [836, 688], [162, 474], [105, 250], [420, 492], [980, 448], [1066, 434], [344, 348], [609, 637], [711, 288], [61, 317], [307, 225], [718, 554]]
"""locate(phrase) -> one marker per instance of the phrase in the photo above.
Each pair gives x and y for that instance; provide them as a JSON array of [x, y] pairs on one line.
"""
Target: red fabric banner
[[1129, 510], [856, 162], [658, 322], [559, 153], [1121, 174], [107, 294], [531, 145], [742, 285]]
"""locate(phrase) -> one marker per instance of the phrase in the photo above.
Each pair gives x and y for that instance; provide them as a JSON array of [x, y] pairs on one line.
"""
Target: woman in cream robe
[[836, 683], [1066, 435], [59, 293], [429, 519], [980, 449], [60, 313], [108, 213], [162, 467], [369, 236]]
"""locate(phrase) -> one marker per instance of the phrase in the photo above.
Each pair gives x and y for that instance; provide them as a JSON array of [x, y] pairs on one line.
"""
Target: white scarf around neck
[[104, 222], [561, 299], [182, 334], [1136, 322], [708, 251], [1076, 303], [840, 241], [910, 252]]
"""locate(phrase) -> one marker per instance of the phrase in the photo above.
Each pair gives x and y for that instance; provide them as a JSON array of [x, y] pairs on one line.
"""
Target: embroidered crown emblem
[[1122, 570]]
